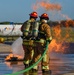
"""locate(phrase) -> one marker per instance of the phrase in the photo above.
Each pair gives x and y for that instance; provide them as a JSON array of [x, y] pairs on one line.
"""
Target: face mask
[[44, 21]]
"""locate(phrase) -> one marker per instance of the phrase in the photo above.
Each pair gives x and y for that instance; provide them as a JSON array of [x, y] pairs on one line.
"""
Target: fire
[[58, 46], [69, 23], [60, 34], [46, 5], [60, 42], [12, 55], [57, 31]]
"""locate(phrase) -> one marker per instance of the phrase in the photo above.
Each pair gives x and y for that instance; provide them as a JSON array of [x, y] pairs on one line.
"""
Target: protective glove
[[33, 38], [49, 39], [22, 37]]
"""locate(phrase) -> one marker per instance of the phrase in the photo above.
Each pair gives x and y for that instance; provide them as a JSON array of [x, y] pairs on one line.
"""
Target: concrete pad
[[5, 48], [69, 74]]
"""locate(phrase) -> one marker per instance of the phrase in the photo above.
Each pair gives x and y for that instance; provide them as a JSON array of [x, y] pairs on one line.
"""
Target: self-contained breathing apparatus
[[30, 30]]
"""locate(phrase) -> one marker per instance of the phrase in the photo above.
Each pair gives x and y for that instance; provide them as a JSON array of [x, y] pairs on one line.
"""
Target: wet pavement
[[59, 64]]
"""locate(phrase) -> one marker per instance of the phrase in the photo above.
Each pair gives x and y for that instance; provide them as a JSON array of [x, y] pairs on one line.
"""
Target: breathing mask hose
[[30, 67]]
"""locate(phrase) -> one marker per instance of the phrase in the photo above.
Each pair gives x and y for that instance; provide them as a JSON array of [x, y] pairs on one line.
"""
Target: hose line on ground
[[30, 67]]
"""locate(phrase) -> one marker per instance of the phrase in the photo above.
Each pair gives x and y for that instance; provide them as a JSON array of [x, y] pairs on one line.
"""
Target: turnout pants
[[38, 51], [28, 51], [33, 51]]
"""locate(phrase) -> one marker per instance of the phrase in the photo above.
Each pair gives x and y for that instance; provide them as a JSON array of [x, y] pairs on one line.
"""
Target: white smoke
[[17, 47]]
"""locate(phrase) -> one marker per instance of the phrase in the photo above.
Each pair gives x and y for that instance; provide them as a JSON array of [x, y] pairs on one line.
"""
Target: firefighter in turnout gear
[[44, 35], [28, 35]]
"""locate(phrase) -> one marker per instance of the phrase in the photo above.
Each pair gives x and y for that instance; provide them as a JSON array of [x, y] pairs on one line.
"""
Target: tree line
[[6, 22]]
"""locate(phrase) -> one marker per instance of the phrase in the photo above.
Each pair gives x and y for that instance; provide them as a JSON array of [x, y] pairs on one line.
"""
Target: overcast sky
[[19, 10]]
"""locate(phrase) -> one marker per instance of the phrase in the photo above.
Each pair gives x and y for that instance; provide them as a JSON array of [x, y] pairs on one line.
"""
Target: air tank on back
[[35, 29], [26, 29]]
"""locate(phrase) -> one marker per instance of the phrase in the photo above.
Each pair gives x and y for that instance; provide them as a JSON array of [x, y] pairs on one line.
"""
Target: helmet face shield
[[44, 18]]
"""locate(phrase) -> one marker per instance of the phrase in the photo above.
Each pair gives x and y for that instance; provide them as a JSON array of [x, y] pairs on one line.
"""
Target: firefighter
[[26, 29], [44, 35]]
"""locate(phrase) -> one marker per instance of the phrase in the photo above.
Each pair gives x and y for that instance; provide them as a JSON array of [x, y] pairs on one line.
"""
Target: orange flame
[[61, 36], [12, 55], [57, 31], [58, 46]]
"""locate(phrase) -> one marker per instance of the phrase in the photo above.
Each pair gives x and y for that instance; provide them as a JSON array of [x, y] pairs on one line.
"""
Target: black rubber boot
[[26, 73], [46, 72], [26, 65], [34, 70], [30, 63]]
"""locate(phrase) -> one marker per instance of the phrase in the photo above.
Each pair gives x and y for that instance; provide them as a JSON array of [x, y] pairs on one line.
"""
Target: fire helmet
[[44, 16], [34, 14]]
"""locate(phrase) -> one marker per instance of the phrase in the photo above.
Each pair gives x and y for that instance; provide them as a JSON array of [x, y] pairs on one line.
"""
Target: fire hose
[[30, 67]]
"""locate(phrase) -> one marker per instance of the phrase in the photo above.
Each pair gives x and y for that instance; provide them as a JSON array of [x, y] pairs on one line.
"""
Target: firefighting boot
[[26, 63], [26, 73], [34, 69], [45, 70]]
